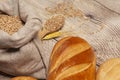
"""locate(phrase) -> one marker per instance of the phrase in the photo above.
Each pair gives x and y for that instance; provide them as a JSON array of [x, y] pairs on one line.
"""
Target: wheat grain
[[10, 24]]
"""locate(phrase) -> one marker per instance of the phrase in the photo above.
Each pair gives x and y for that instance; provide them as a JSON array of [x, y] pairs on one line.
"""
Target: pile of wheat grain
[[10, 24], [54, 23]]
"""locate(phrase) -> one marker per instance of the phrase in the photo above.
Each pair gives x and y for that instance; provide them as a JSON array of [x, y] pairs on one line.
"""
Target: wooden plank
[[97, 21], [114, 6]]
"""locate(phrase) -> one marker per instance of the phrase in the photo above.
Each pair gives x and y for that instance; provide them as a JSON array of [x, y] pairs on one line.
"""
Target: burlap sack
[[19, 53]]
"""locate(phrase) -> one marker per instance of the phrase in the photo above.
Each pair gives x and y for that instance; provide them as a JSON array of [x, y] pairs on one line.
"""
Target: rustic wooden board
[[93, 20]]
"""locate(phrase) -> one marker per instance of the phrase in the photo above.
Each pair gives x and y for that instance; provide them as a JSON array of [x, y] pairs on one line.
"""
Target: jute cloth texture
[[19, 53]]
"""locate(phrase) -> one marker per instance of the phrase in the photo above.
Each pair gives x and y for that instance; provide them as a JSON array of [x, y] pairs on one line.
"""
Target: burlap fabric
[[19, 53]]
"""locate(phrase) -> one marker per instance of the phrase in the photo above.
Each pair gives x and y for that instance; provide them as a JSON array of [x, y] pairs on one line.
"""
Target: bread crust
[[23, 78], [109, 70], [72, 58]]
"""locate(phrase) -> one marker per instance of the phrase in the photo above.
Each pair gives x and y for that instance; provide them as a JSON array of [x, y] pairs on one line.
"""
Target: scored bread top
[[10, 24], [72, 46], [70, 56]]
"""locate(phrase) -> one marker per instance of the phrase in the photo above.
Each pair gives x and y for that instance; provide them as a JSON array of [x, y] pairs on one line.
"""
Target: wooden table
[[84, 18]]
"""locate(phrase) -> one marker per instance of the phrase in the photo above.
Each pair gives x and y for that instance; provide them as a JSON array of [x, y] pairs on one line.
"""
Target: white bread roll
[[109, 70]]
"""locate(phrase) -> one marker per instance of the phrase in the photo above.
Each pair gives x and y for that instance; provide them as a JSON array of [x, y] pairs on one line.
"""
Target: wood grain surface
[[97, 21]]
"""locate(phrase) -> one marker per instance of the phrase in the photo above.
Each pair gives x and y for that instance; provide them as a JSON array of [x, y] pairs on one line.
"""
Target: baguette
[[72, 58]]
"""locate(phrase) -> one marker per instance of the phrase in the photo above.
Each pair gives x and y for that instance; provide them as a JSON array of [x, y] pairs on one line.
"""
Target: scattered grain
[[66, 9]]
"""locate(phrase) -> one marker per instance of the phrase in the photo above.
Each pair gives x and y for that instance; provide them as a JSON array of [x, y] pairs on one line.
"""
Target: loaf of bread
[[23, 78], [72, 58], [109, 70]]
